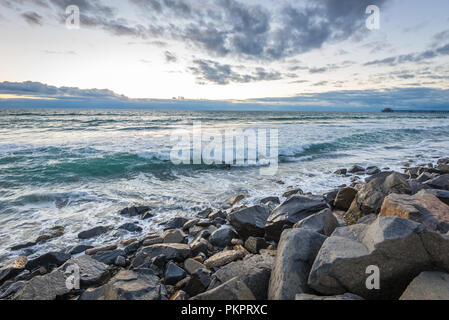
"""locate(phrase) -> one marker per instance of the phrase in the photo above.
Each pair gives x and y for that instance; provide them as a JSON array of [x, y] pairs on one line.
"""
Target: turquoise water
[[78, 168]]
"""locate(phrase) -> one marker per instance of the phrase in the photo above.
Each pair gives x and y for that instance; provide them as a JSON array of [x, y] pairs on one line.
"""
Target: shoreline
[[224, 253]]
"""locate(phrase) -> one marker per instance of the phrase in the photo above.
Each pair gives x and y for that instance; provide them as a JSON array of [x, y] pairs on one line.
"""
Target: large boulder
[[253, 270], [233, 289], [323, 222], [344, 198], [370, 197], [91, 271], [140, 284], [400, 248], [296, 252], [428, 286], [443, 195], [47, 287], [422, 207], [291, 211], [250, 221], [441, 182]]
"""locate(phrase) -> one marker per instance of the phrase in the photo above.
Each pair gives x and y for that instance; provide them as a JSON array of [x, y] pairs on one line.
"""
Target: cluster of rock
[[305, 247]]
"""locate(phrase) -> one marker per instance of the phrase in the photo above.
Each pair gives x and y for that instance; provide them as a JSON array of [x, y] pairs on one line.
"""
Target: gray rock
[[199, 282], [173, 274], [175, 223], [93, 294], [190, 224], [443, 195], [290, 212], [217, 215], [92, 272], [296, 252], [200, 245], [92, 233], [253, 270], [255, 244], [78, 249], [131, 227], [47, 287], [48, 259], [12, 268], [108, 257], [136, 211], [372, 170], [132, 248], [441, 182], [172, 251], [233, 289], [292, 192], [341, 172], [330, 196], [191, 265], [344, 198], [266, 200], [107, 247], [324, 222], [11, 289], [139, 284], [428, 286], [120, 261], [222, 237], [400, 248], [250, 221], [311, 297], [174, 236], [356, 168]]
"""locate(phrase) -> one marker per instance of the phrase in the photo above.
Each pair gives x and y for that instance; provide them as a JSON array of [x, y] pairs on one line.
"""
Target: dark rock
[[131, 227], [292, 192], [344, 198], [51, 233], [266, 200], [223, 258], [254, 244], [200, 245], [48, 259], [92, 272], [295, 255], [175, 223], [173, 274], [136, 211], [132, 248], [217, 215], [191, 265], [222, 237], [199, 282], [78, 249], [12, 268], [233, 289], [93, 294], [330, 196], [47, 287], [204, 213], [190, 224], [108, 257], [92, 233], [174, 236], [120, 261], [290, 212], [11, 289], [172, 251], [441, 182], [324, 222], [107, 247], [23, 246], [341, 172], [356, 168], [372, 170], [443, 195], [343, 297], [250, 221], [428, 286], [139, 284]]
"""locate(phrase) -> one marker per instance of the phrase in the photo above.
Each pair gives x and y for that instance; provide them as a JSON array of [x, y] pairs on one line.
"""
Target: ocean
[[78, 168]]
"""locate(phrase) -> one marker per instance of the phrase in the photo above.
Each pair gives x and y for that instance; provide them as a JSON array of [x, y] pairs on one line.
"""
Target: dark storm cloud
[[208, 71], [33, 18]]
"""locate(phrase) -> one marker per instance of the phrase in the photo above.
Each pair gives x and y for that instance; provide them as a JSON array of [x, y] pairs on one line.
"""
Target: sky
[[231, 54]]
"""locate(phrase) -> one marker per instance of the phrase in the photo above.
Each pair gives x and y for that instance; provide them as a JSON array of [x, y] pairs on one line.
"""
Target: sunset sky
[[266, 51]]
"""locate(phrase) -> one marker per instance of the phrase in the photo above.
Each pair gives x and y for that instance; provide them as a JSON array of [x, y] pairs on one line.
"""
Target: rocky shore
[[302, 246]]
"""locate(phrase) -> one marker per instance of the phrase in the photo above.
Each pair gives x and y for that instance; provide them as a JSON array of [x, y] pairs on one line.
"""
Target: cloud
[[170, 57], [208, 71], [33, 18]]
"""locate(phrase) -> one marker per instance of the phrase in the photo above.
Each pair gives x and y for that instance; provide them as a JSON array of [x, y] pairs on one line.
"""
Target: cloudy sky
[[314, 53]]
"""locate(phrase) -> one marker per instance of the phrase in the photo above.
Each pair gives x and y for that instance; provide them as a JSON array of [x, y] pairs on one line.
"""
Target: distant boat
[[387, 110]]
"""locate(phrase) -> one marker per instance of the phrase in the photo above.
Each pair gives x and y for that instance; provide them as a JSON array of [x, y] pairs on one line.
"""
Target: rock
[[93, 294], [12, 268], [290, 212], [48, 259], [255, 244], [120, 261], [173, 274], [132, 248], [233, 289], [422, 207], [199, 282], [23, 246], [47, 287], [253, 270], [131, 227], [310, 297], [190, 224], [77, 249], [370, 197], [428, 286], [171, 251], [267, 200], [136, 211], [330, 196], [424, 177], [217, 215], [92, 233], [323, 222], [368, 219], [95, 250], [441, 182], [400, 248], [92, 272], [108, 257], [204, 213], [150, 242], [443, 161], [372, 170], [175, 223], [443, 195], [139, 284], [54, 232], [292, 192], [224, 257], [344, 198], [191, 265], [179, 295], [222, 237], [295, 255], [11, 289], [200, 245], [236, 199], [250, 221], [443, 168], [174, 236], [355, 169], [341, 172]]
